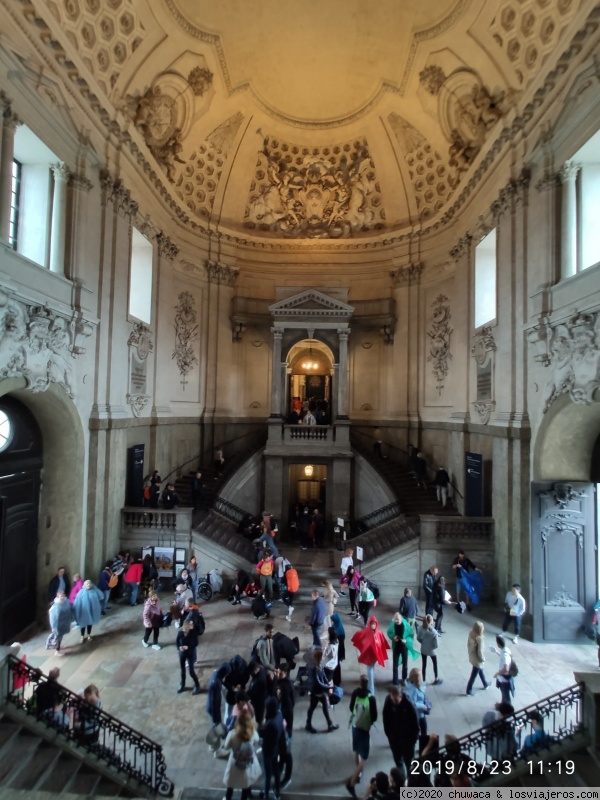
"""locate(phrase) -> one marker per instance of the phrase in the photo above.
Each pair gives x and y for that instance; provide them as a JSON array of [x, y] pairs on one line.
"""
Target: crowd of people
[[252, 701]]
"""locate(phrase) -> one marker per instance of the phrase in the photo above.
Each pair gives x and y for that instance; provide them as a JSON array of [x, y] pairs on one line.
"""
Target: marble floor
[[139, 685]]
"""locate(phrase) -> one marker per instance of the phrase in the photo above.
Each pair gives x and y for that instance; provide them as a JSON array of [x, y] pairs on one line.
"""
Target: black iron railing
[[375, 518], [101, 734], [229, 510], [502, 747]]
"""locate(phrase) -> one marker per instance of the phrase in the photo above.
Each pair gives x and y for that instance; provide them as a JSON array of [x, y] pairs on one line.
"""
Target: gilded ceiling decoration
[[315, 192]]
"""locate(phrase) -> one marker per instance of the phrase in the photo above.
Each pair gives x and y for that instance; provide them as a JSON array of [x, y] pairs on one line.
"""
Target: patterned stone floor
[[139, 685]]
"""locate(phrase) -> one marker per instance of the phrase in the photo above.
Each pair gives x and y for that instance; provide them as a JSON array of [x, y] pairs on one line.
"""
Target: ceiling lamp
[[308, 470], [310, 364]]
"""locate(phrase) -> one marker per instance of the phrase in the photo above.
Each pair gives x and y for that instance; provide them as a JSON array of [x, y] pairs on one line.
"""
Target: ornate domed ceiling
[[329, 119]]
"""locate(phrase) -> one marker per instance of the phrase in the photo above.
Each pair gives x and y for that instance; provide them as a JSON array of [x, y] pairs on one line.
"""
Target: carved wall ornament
[[221, 273], [366, 345], [255, 404], [138, 403], [462, 248], [564, 600], [405, 276], [484, 409], [155, 114], [439, 340], [572, 352], [329, 194], [140, 339], [200, 79], [387, 331], [166, 247], [237, 331], [563, 494], [38, 345], [186, 332], [224, 134], [432, 79], [483, 345], [115, 192]]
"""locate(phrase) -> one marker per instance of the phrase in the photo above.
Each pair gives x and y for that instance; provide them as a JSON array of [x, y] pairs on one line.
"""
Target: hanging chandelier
[[309, 363]]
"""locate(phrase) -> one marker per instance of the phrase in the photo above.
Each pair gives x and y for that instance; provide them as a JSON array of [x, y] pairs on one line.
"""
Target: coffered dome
[[330, 120]]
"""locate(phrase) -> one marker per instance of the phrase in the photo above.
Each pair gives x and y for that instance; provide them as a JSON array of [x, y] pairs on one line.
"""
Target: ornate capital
[[548, 182], [462, 248], [569, 171], [343, 334], [80, 182], [166, 247], [61, 172], [405, 276], [277, 334], [115, 192], [219, 273], [512, 194], [10, 121]]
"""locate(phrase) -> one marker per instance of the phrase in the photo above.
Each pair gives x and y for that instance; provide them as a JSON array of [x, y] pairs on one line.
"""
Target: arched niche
[[565, 441], [61, 516]]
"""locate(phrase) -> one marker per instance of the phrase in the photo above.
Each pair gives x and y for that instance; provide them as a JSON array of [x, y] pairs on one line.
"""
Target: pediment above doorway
[[311, 304]]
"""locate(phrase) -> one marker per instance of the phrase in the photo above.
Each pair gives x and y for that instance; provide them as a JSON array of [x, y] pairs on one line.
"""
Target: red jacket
[[134, 573]]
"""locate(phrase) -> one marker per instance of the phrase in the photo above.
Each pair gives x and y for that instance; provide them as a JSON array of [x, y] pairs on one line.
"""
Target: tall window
[[31, 210], [140, 278], [15, 196], [485, 280], [588, 204]]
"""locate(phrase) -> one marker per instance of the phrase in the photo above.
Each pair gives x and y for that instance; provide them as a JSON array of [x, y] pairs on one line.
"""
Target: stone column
[[342, 390], [7, 152], [276, 374], [59, 219], [568, 243]]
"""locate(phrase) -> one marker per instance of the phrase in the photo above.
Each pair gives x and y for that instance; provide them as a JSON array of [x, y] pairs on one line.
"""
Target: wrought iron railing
[[464, 529], [376, 518], [229, 510], [501, 749], [101, 734]]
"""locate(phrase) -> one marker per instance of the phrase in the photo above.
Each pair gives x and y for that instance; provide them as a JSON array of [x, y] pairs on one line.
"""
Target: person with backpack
[[507, 670], [363, 711], [264, 650], [372, 647], [366, 599], [243, 767], [319, 688], [106, 582], [265, 571], [153, 620]]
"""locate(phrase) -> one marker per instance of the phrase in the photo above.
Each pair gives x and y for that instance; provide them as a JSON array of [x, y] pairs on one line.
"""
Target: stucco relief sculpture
[[200, 79], [315, 195], [573, 356], [563, 494], [186, 332], [439, 340], [467, 111], [155, 115], [35, 344]]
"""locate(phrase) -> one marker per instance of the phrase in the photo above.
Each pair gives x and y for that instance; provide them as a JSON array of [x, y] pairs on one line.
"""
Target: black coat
[[400, 723], [285, 649], [53, 586]]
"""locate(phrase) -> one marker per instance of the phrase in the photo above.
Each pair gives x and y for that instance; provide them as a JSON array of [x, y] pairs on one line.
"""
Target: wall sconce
[[308, 470], [387, 332]]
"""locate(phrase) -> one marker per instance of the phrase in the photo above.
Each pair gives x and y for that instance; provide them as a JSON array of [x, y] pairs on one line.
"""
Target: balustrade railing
[[308, 432], [89, 727], [229, 510], [464, 528], [502, 748]]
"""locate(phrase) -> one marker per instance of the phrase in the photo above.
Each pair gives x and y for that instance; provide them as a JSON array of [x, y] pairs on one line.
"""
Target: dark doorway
[[20, 467]]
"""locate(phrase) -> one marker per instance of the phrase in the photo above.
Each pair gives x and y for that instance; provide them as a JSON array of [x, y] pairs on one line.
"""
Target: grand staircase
[[29, 762]]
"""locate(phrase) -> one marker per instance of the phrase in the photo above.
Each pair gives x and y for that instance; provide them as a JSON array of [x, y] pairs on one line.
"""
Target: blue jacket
[[215, 693], [87, 606], [272, 730]]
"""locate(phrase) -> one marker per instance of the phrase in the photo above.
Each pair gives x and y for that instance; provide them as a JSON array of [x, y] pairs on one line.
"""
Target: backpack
[[374, 587], [513, 670], [244, 755], [266, 568], [112, 581], [253, 649], [362, 713], [291, 576], [147, 493]]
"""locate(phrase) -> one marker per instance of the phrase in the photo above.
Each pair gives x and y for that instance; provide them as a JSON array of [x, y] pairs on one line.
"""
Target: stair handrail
[[375, 518], [564, 710], [117, 744], [229, 510]]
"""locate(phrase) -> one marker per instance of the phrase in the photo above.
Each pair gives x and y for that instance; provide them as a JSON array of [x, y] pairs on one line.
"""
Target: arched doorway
[[20, 474], [310, 370], [564, 521]]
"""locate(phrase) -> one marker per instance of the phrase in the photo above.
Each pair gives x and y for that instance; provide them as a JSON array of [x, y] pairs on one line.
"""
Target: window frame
[[15, 200]]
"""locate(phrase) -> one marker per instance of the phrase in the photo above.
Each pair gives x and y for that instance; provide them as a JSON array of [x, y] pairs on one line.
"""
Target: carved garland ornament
[[38, 345], [439, 345], [186, 332]]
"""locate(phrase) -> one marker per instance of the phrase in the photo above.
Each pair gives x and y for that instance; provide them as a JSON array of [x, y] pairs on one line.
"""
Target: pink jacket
[[75, 590], [152, 614]]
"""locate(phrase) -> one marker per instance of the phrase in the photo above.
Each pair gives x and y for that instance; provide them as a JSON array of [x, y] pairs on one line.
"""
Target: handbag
[[51, 641], [336, 695]]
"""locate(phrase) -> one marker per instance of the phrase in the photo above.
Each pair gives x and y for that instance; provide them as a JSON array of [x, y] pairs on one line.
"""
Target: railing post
[[590, 682]]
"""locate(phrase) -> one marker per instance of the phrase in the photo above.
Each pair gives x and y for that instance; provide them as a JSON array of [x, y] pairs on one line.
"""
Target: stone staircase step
[[20, 750], [84, 782], [64, 770], [587, 769], [38, 768], [8, 731]]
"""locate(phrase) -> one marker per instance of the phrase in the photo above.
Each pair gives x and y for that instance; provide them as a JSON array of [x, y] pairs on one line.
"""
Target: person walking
[[133, 577], [429, 582], [400, 635], [272, 734], [366, 599], [409, 607], [428, 638], [347, 561], [59, 616], [317, 617], [504, 675], [59, 583], [440, 601], [475, 649], [441, 482], [353, 583], [187, 642], [401, 726], [372, 649], [514, 608], [320, 688], [292, 585], [363, 710], [88, 609], [415, 691], [153, 617], [265, 569], [331, 597], [462, 566]]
